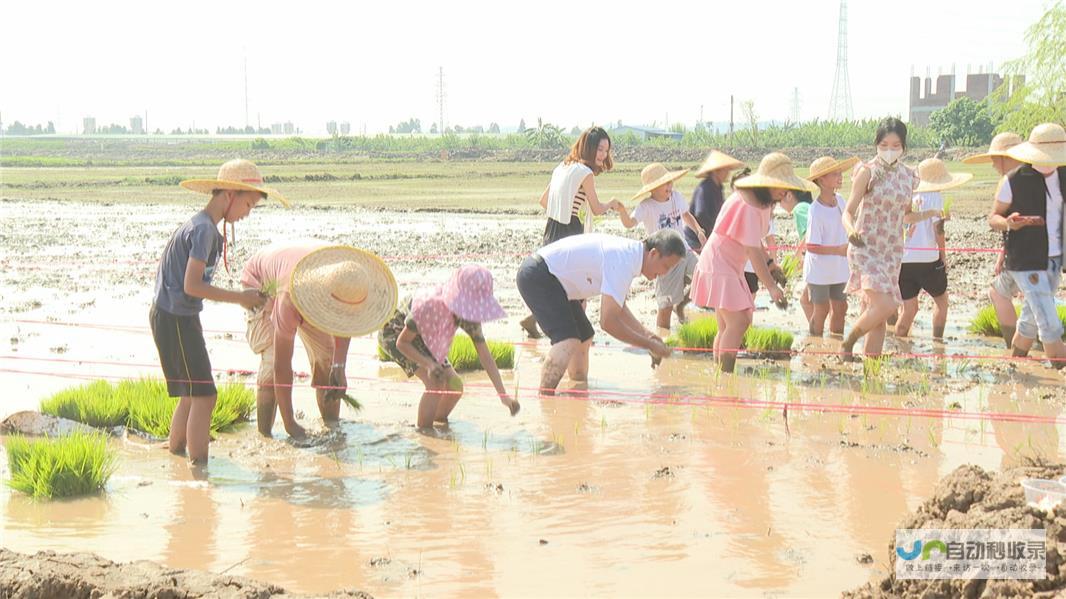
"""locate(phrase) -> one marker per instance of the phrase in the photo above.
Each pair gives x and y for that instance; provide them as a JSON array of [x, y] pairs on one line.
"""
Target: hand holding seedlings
[[778, 275], [338, 383], [252, 299]]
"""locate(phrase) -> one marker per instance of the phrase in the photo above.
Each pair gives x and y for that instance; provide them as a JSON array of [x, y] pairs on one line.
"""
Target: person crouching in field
[[742, 224], [1003, 289], [924, 257], [555, 281], [325, 294], [420, 333], [825, 266], [665, 208], [183, 281]]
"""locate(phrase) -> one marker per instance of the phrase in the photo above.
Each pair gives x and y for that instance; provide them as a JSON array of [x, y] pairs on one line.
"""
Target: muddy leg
[[427, 406], [819, 312], [578, 368], [680, 309], [1005, 313], [1008, 335], [447, 401], [940, 315], [1056, 352], [838, 311], [555, 366], [662, 318], [329, 409], [806, 305], [198, 432], [179, 424], [875, 341], [906, 319], [736, 324], [265, 409]]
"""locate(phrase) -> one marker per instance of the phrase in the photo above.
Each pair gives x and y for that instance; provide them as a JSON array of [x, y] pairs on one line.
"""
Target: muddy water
[[638, 485]]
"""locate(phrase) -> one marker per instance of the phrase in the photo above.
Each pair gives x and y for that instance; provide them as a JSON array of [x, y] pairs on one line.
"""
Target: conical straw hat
[[237, 174], [828, 164], [999, 146], [717, 160], [934, 176], [344, 291], [653, 176], [775, 170], [1046, 146]]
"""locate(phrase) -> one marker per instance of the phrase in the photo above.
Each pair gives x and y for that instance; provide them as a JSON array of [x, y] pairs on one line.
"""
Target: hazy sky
[[572, 63]]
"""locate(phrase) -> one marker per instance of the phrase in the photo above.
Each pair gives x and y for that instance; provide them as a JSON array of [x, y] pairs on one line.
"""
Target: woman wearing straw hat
[[924, 265], [825, 265], [183, 281], [325, 294], [572, 189], [879, 206], [665, 208], [1003, 289], [707, 198], [420, 333], [1029, 207], [737, 236]]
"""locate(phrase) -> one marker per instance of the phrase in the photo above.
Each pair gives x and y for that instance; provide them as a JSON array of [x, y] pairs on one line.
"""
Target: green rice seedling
[[697, 333], [76, 464], [269, 288], [463, 354], [791, 266], [768, 340], [235, 404], [94, 404], [986, 323], [150, 406], [700, 334]]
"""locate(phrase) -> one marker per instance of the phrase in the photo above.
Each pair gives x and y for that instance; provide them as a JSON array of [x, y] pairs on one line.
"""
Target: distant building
[[88, 125], [978, 87], [289, 128], [277, 128], [645, 132], [331, 127], [346, 128], [136, 125]]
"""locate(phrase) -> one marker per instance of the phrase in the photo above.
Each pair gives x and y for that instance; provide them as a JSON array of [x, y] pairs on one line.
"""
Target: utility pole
[[440, 98], [245, 91]]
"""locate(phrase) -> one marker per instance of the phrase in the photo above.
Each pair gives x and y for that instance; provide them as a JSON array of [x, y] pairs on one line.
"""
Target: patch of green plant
[[791, 266], [767, 339], [93, 403], [700, 333], [235, 404], [463, 354], [985, 322], [72, 465]]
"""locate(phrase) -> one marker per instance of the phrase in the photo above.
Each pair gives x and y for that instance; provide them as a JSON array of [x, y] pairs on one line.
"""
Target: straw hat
[[775, 170], [655, 175], [934, 176], [828, 164], [240, 175], [343, 291], [1046, 146], [716, 160], [999, 146], [468, 294]]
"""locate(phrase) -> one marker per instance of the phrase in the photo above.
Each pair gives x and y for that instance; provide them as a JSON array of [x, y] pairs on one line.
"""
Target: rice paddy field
[[787, 478]]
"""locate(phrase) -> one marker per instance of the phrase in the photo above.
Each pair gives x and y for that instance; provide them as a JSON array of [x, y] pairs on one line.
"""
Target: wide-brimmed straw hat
[[1046, 146], [468, 294], [999, 146], [776, 170], [934, 176], [239, 175], [827, 164], [655, 175], [717, 160], [343, 291]]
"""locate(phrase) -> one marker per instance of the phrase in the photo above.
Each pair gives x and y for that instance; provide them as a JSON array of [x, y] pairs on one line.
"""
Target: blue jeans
[[1039, 314]]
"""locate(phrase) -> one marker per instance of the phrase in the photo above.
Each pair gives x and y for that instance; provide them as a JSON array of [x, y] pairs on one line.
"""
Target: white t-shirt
[[1054, 210], [825, 227], [594, 264], [663, 215], [923, 234], [747, 266]]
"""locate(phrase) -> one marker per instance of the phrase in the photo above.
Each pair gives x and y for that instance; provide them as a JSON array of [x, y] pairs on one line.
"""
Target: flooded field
[[788, 478]]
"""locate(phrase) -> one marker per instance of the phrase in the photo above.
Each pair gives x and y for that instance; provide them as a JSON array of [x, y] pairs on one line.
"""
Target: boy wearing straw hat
[[924, 265], [325, 294], [183, 281], [825, 264], [1003, 289], [1029, 207], [664, 208]]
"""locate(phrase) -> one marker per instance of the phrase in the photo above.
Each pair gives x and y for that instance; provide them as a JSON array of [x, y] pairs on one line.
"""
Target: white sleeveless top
[[563, 191]]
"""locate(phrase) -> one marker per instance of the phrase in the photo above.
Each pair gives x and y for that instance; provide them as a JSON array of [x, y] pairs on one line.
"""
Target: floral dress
[[388, 335], [876, 266]]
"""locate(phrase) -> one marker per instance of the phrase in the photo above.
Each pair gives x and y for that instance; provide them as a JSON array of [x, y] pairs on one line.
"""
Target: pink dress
[[876, 266], [719, 278]]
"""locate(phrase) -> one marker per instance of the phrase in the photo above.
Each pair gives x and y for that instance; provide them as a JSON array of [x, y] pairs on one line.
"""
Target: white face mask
[[889, 156]]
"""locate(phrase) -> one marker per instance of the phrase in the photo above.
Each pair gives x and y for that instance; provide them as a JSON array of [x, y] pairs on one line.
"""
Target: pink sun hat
[[468, 295]]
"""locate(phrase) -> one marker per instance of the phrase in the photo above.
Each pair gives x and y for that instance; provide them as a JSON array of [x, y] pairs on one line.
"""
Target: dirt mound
[[970, 497], [48, 574]]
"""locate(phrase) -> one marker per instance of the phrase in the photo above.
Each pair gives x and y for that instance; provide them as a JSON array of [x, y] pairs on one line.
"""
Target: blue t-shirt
[[198, 238]]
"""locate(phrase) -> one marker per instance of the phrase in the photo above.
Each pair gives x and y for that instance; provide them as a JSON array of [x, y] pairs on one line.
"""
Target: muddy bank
[[48, 574], [971, 497]]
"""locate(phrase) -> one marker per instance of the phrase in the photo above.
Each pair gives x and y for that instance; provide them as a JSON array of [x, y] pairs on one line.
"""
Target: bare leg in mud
[[266, 408], [940, 316], [559, 359], [1006, 315], [879, 306], [179, 424], [735, 323], [329, 409], [578, 368], [431, 398], [447, 400], [198, 434]]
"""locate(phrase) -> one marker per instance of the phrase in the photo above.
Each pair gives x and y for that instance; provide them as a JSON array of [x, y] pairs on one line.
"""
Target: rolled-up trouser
[[1039, 313]]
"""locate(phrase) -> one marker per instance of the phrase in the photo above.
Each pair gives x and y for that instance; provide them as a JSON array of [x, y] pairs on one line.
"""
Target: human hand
[[855, 239], [251, 299], [511, 404], [777, 295], [658, 348], [778, 275]]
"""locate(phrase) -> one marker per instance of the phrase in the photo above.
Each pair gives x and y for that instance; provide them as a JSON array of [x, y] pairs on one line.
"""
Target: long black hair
[[762, 194], [891, 125]]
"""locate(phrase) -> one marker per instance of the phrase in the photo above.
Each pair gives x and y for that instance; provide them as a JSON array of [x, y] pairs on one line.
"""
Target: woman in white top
[[571, 189]]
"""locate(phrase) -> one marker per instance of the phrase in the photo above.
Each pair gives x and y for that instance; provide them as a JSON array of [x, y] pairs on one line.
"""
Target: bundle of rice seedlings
[[463, 354], [76, 464], [150, 407], [269, 288], [94, 404], [985, 322], [791, 266], [699, 332], [235, 404], [768, 340]]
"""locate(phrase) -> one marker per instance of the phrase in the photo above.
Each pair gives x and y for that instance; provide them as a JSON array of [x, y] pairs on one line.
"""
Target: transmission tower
[[440, 98], [840, 103]]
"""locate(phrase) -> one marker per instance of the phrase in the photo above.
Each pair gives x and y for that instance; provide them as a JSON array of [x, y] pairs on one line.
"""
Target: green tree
[[546, 135], [1042, 99], [964, 122]]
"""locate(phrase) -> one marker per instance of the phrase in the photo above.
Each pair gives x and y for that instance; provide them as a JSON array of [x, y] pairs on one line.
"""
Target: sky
[[375, 64]]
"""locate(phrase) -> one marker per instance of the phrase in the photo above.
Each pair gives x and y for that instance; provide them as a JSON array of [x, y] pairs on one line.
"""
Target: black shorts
[[555, 230], [560, 317], [916, 276], [753, 281], [182, 353]]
